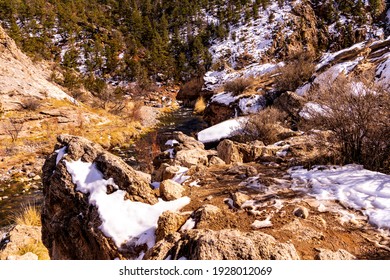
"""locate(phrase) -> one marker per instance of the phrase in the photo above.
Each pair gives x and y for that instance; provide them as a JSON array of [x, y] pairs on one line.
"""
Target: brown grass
[[29, 215], [238, 86], [264, 126], [36, 247], [31, 104], [200, 105], [295, 73]]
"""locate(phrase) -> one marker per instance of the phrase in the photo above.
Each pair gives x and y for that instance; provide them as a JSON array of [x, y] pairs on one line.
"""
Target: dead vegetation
[[358, 113], [12, 127], [295, 73], [238, 86], [264, 126]]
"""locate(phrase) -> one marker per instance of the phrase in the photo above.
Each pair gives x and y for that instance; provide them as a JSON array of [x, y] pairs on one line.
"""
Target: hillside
[[295, 155]]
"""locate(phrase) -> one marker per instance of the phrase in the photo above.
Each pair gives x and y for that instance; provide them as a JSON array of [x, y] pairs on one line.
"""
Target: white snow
[[329, 57], [214, 80], [171, 142], [252, 104], [383, 72], [171, 153], [125, 221], [311, 109], [180, 176], [189, 224], [352, 185], [254, 38], [225, 98], [262, 224], [222, 130], [194, 184], [60, 154]]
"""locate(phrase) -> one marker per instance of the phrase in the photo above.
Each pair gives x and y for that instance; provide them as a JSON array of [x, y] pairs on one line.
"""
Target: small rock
[[31, 175], [28, 256], [325, 254], [37, 178], [168, 223], [301, 212], [170, 190], [170, 172], [210, 197], [216, 161], [239, 198]]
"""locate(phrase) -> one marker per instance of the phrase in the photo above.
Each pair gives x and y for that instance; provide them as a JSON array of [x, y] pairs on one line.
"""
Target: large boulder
[[71, 224], [182, 150], [232, 152], [221, 245]]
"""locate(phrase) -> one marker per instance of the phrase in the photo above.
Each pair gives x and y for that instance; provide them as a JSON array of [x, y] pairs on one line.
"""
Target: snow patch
[[352, 185], [125, 221], [222, 130], [262, 224], [60, 154]]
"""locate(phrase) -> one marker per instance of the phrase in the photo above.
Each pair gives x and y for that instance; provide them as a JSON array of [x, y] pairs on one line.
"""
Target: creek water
[[13, 195], [141, 154]]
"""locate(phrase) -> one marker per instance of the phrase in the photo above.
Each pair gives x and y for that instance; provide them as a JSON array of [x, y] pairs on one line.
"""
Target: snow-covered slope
[[255, 48]]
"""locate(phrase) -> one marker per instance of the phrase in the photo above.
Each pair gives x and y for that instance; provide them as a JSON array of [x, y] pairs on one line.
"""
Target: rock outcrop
[[184, 151], [70, 224], [21, 78], [222, 245], [23, 243]]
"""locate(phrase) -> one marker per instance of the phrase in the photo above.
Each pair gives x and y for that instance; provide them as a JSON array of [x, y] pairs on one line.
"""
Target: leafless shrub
[[295, 73], [238, 86], [113, 101], [190, 90], [31, 104], [264, 126], [13, 128], [358, 113]]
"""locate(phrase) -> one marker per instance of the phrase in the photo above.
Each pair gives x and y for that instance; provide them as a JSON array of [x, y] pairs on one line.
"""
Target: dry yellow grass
[[200, 105], [29, 215], [35, 247]]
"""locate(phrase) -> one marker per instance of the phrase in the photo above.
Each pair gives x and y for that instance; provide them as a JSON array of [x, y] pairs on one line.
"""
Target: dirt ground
[[319, 230]]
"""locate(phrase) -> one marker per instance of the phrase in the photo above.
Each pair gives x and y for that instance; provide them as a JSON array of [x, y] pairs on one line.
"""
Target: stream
[[141, 154], [13, 195]]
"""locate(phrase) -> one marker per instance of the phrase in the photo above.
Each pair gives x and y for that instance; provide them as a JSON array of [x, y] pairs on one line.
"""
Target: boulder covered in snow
[[92, 200]]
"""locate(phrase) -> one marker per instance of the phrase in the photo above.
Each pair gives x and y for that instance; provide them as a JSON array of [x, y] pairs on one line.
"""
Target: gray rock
[[215, 160], [26, 257], [301, 212], [170, 190], [169, 223], [222, 245], [325, 254]]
